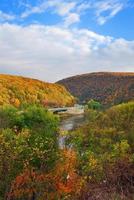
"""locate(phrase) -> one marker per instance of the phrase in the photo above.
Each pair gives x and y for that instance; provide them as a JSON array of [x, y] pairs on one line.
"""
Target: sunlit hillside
[[17, 90]]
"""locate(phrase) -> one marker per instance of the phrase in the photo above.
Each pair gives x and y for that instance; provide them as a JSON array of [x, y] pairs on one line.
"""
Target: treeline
[[107, 88], [17, 91], [100, 164]]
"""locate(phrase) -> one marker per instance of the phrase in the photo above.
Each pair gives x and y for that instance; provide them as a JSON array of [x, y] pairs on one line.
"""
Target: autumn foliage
[[107, 88], [61, 182], [30, 157], [17, 90], [97, 162], [105, 147]]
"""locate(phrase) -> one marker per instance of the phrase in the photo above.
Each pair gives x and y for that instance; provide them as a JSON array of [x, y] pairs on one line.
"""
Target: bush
[[105, 147], [28, 140], [95, 105]]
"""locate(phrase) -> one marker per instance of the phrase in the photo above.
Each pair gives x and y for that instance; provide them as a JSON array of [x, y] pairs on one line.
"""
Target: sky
[[53, 39]]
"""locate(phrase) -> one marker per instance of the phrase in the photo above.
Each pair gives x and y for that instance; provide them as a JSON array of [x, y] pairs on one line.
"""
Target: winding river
[[68, 124]]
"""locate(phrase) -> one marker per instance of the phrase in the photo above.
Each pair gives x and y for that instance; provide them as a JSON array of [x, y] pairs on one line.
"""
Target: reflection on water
[[72, 122], [69, 124]]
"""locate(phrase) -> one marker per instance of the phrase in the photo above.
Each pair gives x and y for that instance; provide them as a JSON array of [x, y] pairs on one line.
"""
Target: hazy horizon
[[26, 76]]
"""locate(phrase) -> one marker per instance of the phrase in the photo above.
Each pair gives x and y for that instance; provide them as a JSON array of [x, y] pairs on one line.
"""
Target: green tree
[[95, 105]]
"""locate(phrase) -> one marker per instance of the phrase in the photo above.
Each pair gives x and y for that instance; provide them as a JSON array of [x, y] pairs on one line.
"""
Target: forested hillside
[[107, 88], [17, 90]]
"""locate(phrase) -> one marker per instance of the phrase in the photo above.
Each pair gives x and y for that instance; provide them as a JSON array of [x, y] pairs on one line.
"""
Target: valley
[[55, 149]]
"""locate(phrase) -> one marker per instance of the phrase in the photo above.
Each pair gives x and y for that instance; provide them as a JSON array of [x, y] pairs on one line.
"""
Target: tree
[[95, 105]]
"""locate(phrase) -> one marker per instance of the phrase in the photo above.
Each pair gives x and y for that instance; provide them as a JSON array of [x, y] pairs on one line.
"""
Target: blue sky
[[53, 39]]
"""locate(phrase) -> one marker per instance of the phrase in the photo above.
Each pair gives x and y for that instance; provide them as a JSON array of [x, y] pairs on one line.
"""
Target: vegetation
[[105, 150], [107, 88], [32, 167], [95, 105], [17, 90], [100, 164], [29, 144]]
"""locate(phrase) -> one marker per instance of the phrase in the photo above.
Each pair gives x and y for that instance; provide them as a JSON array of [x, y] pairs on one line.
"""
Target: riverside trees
[[105, 147], [101, 162], [32, 167]]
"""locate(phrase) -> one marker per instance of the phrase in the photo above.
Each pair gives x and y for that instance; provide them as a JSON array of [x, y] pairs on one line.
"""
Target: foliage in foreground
[[105, 149], [100, 165], [31, 165]]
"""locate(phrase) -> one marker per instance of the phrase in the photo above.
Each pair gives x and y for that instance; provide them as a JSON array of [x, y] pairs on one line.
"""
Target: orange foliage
[[63, 179], [15, 102], [23, 184], [17, 90]]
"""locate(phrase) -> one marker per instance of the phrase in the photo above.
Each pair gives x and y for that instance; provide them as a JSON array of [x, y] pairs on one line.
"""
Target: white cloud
[[59, 7], [51, 53], [107, 9], [63, 8], [84, 6], [6, 17], [34, 10], [72, 10], [71, 19]]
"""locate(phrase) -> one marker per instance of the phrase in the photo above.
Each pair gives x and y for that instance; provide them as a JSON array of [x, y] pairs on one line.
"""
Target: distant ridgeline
[[107, 88], [17, 90]]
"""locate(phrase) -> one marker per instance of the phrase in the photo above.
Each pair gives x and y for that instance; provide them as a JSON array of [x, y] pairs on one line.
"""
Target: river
[[72, 122], [68, 124]]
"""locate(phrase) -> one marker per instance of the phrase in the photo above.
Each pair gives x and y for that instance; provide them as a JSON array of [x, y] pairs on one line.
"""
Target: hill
[[107, 88], [17, 90]]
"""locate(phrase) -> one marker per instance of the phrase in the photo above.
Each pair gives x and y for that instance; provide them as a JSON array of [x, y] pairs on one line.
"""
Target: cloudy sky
[[54, 39]]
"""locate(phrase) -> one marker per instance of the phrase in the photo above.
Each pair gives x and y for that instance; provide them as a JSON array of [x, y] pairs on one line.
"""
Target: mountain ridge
[[106, 87]]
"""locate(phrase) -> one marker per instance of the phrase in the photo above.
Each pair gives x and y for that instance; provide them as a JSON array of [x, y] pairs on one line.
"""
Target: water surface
[[69, 124], [72, 122]]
